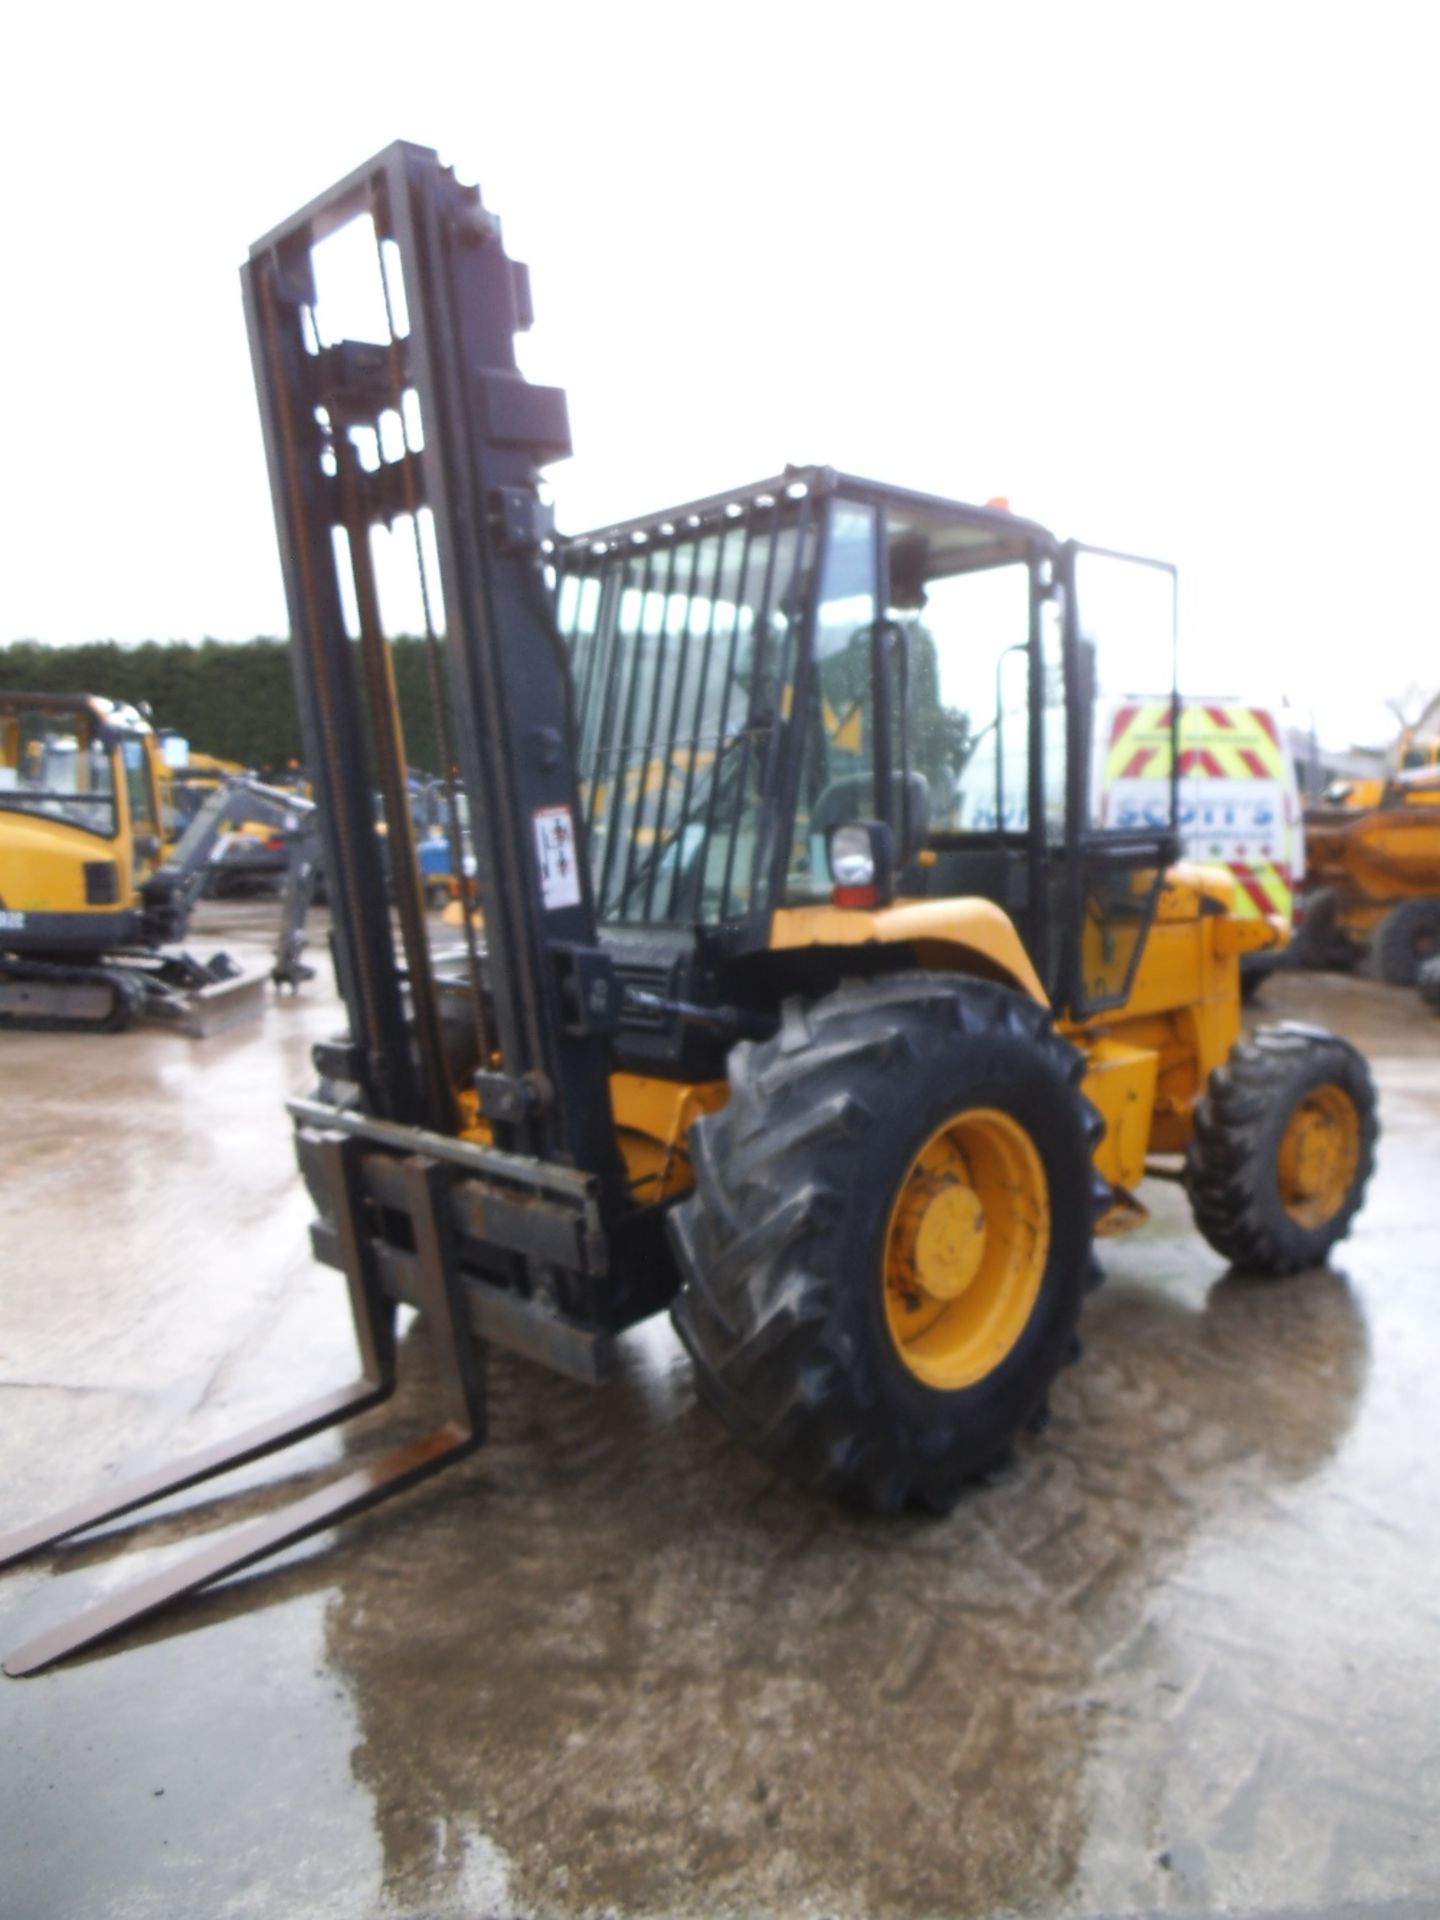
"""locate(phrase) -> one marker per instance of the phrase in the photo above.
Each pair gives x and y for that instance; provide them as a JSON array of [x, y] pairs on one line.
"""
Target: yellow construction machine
[[1410, 776], [806, 992], [250, 855], [1372, 876], [189, 779], [91, 898]]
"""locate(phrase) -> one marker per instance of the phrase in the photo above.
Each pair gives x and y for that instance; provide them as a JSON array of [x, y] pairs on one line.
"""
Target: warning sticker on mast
[[558, 856]]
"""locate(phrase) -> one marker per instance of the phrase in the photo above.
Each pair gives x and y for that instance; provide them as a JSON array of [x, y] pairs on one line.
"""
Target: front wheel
[[1283, 1147], [888, 1244]]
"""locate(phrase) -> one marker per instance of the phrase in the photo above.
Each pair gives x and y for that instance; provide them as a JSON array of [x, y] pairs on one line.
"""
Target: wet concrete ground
[[1184, 1658]]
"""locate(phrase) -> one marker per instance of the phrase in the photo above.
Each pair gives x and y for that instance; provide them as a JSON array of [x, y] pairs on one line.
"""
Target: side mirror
[[862, 864]]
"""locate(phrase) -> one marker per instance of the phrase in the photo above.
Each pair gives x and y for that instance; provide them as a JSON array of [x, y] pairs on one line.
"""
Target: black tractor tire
[[1318, 940], [1235, 1171], [1255, 971], [1428, 981], [781, 1245], [1406, 938]]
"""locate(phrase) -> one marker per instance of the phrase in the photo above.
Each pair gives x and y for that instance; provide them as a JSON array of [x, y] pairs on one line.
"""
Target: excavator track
[[47, 996], [174, 990]]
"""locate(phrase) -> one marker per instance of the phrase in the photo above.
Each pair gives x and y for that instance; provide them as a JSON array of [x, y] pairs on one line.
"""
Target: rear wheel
[[1428, 981], [1283, 1147], [1407, 937], [888, 1244]]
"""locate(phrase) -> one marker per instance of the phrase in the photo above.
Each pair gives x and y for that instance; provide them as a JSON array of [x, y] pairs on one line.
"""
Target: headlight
[[852, 857]]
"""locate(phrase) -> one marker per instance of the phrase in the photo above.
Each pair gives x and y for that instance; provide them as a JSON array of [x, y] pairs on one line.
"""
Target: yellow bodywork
[[1147, 1061], [955, 936], [43, 859], [1373, 857], [652, 1119], [1182, 1017], [1414, 779], [1121, 1079], [42, 865]]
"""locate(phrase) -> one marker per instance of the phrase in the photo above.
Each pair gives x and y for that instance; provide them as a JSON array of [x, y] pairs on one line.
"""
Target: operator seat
[[844, 801]]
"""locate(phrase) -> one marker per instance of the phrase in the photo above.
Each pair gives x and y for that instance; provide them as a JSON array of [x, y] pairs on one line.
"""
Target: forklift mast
[[413, 432], [414, 442]]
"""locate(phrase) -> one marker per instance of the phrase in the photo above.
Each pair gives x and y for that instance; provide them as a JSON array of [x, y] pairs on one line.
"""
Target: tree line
[[231, 698]]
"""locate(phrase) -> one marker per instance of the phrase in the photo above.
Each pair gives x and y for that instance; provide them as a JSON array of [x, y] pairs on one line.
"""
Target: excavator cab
[[80, 821]]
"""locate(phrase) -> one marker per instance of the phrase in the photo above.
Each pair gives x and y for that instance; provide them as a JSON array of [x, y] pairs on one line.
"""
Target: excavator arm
[[170, 894]]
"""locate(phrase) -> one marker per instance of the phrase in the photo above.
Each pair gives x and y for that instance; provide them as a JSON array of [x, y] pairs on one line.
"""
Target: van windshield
[[56, 764]]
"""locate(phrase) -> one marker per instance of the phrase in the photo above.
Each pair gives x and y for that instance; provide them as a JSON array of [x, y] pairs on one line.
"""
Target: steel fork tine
[[269, 1437], [462, 1390]]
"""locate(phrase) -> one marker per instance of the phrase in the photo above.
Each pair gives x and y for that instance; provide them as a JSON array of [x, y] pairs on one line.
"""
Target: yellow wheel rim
[[966, 1247], [1318, 1157]]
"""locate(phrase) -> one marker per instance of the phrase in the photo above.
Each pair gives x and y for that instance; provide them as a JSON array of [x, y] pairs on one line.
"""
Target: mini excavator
[[91, 903]]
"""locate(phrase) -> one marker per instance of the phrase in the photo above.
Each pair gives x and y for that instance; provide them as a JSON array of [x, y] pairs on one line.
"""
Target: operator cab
[[66, 757], [80, 818], [769, 683]]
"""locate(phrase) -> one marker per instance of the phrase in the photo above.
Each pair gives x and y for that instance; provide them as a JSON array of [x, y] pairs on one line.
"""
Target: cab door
[[1120, 613], [140, 786]]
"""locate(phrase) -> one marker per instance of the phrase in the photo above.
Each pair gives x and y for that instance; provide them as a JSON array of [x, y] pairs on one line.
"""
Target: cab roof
[[118, 715], [956, 536]]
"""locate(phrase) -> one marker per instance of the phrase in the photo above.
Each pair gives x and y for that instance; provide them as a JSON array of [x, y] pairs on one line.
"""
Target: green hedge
[[237, 699], [231, 698]]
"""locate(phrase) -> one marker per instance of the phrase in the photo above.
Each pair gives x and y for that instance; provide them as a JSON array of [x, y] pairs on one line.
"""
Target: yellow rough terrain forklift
[[804, 995], [91, 899]]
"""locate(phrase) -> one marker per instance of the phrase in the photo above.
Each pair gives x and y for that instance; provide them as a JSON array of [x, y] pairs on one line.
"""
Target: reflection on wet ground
[[679, 1673], [1180, 1657]]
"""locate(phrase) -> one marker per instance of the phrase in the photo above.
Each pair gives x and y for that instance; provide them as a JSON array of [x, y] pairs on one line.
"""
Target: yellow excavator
[[91, 901]]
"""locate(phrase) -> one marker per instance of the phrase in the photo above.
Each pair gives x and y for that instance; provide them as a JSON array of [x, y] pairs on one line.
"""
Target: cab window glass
[[969, 698], [56, 764], [838, 772], [1125, 618], [137, 784], [683, 655], [1125, 621]]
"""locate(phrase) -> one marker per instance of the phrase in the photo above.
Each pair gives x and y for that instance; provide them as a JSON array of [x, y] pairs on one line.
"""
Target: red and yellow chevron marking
[[1262, 888], [1218, 743]]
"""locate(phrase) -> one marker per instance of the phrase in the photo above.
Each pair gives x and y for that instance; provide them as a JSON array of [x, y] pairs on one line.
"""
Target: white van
[[1239, 798]]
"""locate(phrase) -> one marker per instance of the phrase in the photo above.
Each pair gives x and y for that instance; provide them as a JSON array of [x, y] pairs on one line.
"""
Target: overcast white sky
[[1164, 276]]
